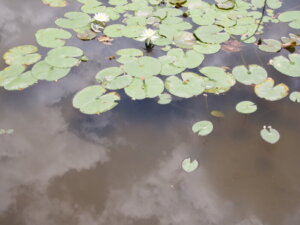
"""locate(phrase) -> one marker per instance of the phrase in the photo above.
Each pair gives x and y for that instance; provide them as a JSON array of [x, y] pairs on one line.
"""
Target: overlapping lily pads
[[73, 20]]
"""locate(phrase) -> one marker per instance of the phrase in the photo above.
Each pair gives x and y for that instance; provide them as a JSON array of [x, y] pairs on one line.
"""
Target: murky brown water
[[61, 167]]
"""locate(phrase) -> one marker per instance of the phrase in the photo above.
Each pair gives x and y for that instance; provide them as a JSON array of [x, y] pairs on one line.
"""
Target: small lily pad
[[64, 57], [130, 52], [22, 55], [203, 128], [55, 3], [73, 20], [270, 134], [95, 100], [164, 99], [43, 71], [295, 96], [254, 74], [246, 107], [289, 66], [211, 34], [52, 37], [270, 45], [189, 166], [268, 91]]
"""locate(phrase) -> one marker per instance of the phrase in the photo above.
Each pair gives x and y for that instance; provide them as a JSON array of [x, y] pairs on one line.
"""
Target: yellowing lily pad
[[22, 55], [268, 91]]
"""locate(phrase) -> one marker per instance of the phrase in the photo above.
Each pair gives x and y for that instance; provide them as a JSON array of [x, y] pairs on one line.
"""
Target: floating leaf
[[64, 57], [55, 3], [143, 67], [293, 17], [95, 100], [270, 45], [268, 91], [189, 166], [22, 55], [254, 74], [19, 82], [270, 134], [86, 35], [225, 4], [206, 48], [217, 113], [190, 85], [150, 87], [218, 80], [295, 96], [289, 66], [184, 39], [9, 72], [114, 30], [43, 71], [164, 99], [211, 34], [52, 37], [203, 128], [73, 20], [246, 107], [189, 59]]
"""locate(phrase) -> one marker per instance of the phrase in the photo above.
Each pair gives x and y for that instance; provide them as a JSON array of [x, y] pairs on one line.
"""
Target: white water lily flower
[[101, 17], [148, 35]]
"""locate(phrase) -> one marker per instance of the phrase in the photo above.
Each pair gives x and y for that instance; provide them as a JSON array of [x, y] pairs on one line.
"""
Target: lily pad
[[189, 166], [43, 71], [270, 45], [225, 4], [190, 85], [254, 74], [206, 48], [114, 30], [293, 17], [143, 67], [246, 107], [211, 34], [55, 3], [64, 57], [9, 72], [52, 37], [289, 66], [268, 91], [295, 96], [95, 100], [217, 113], [22, 55], [19, 82], [131, 52], [270, 134], [203, 128], [164, 99], [189, 59], [149, 87], [73, 20]]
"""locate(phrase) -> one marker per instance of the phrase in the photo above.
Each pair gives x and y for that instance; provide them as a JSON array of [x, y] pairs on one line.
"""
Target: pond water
[[124, 167]]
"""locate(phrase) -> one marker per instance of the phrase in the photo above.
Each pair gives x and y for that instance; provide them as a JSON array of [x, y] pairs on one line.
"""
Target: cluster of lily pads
[[184, 30]]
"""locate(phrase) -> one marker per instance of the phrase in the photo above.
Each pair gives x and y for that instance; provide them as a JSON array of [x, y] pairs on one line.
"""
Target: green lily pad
[[164, 99], [218, 80], [211, 34], [270, 134], [9, 72], [189, 59], [189, 166], [254, 74], [64, 57], [225, 4], [43, 71], [293, 17], [95, 100], [190, 85], [270, 45], [246, 107], [143, 67], [295, 96], [73, 20], [203, 128], [111, 78], [22, 55], [168, 67], [206, 48], [289, 66], [184, 39], [268, 91], [52, 37], [55, 3], [149, 87], [19, 82], [114, 30]]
